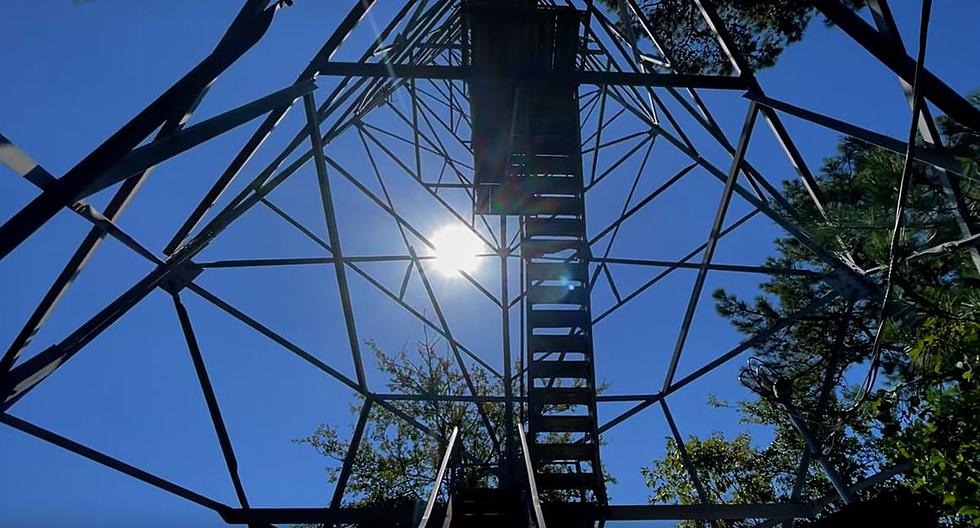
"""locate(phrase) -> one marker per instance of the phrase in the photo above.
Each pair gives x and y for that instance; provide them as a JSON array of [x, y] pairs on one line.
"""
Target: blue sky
[[74, 73]]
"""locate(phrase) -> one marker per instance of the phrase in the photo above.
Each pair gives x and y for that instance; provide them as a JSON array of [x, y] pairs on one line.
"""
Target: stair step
[[554, 165], [570, 271], [561, 395], [485, 507], [561, 424], [560, 369], [554, 227], [541, 248], [545, 144], [557, 295], [558, 319], [533, 183], [551, 185], [560, 343], [481, 494], [553, 206], [554, 481], [578, 451]]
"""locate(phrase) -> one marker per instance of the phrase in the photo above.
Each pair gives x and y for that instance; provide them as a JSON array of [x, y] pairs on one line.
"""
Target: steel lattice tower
[[515, 100]]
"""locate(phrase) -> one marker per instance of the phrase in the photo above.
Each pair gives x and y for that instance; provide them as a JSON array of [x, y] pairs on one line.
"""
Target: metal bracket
[[181, 277]]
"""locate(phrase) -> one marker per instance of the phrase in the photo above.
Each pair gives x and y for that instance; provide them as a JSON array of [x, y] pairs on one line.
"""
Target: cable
[[903, 191]]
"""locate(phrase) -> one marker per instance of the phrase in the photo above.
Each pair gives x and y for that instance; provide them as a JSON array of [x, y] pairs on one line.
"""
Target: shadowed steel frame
[[422, 52]]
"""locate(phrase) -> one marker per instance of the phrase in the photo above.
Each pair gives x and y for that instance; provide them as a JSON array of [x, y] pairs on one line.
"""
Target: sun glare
[[456, 250]]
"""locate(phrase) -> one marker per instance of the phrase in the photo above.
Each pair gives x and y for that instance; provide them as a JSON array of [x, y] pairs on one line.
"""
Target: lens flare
[[456, 250]]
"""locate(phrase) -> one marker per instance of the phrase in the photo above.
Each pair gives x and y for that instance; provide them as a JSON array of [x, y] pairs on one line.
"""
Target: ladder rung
[[558, 319], [565, 480], [560, 369], [554, 227], [561, 424], [569, 271], [554, 165], [560, 343], [548, 248], [554, 205], [561, 395], [555, 452], [557, 295]]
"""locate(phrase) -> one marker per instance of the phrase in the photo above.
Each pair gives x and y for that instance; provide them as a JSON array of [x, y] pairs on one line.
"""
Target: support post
[[326, 199]]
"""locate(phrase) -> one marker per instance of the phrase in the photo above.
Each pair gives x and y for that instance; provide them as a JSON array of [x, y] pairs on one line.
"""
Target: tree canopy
[[923, 409], [396, 462], [761, 29]]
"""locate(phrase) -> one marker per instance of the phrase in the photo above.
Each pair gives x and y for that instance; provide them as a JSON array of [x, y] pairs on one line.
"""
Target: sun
[[456, 250]]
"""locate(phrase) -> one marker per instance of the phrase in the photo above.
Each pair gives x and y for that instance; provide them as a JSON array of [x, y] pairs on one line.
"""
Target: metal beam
[[598, 78], [895, 59], [378, 515], [247, 28], [113, 463], [757, 339], [491, 431], [930, 133], [741, 65], [652, 512], [313, 360], [212, 401], [356, 13], [670, 269], [167, 147], [559, 512], [686, 460], [713, 237], [21, 379], [323, 180], [765, 270], [374, 282], [934, 157], [103, 224], [355, 444]]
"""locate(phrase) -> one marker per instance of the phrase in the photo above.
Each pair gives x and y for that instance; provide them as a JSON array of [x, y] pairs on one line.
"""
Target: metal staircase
[[526, 137], [562, 420]]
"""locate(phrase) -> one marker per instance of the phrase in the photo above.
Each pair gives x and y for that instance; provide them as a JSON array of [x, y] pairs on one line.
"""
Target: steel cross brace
[[247, 28]]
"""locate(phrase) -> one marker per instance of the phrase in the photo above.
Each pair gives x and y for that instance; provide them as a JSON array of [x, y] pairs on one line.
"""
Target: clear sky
[[74, 72]]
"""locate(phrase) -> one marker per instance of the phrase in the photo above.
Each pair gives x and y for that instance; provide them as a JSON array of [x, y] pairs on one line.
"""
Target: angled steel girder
[[169, 146], [712, 243], [104, 223], [929, 132], [932, 156], [599, 78], [114, 463], [247, 28], [212, 401], [375, 79], [567, 512], [326, 199], [356, 13], [895, 58]]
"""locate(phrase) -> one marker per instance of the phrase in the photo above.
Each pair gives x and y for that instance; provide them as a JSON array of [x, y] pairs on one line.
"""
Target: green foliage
[[397, 462], [941, 436], [925, 406], [746, 477], [761, 29]]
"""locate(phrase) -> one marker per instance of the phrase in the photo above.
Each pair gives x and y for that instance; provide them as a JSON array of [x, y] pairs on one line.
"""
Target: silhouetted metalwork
[[510, 95]]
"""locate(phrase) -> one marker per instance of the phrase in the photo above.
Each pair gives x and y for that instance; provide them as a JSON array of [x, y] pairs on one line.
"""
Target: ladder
[[562, 420], [526, 139]]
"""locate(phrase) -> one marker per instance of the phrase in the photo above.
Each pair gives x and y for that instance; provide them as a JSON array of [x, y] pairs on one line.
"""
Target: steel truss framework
[[420, 55]]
